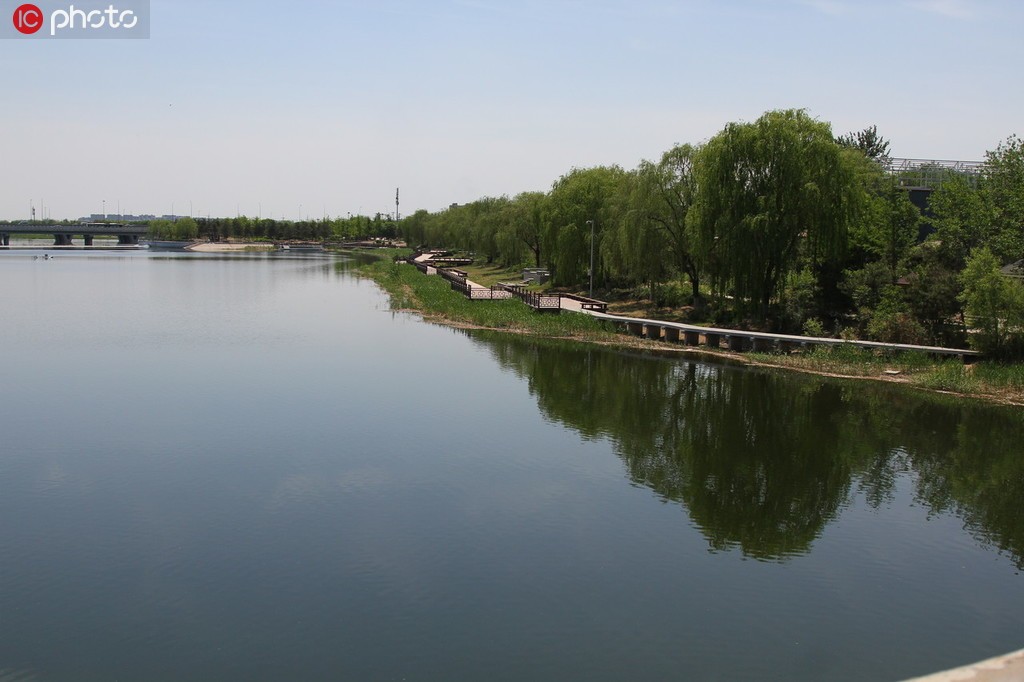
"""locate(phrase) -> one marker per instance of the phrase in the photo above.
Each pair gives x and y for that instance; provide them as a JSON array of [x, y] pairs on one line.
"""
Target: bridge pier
[[88, 239], [737, 343], [691, 338], [62, 240], [671, 334], [5, 239], [635, 328], [652, 331], [762, 345], [713, 340], [127, 239]]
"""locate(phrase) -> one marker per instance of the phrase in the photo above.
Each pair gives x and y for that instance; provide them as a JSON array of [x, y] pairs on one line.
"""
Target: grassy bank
[[434, 299], [989, 380]]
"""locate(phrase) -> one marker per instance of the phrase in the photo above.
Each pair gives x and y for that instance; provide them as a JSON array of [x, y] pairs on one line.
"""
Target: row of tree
[[243, 227], [775, 223]]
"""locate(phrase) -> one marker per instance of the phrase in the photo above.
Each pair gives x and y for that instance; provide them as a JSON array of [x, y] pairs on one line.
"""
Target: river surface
[[246, 467]]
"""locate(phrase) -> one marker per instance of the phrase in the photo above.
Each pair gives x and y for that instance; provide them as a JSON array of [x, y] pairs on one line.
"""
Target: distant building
[[117, 218]]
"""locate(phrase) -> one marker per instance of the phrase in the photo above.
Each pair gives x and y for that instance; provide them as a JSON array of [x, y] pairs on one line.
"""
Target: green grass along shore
[[433, 298]]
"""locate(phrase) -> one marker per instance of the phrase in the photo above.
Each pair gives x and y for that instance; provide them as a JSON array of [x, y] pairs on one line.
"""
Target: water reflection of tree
[[764, 461]]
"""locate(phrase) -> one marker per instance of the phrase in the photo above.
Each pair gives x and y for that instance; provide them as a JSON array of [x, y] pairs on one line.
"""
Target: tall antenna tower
[[397, 216]]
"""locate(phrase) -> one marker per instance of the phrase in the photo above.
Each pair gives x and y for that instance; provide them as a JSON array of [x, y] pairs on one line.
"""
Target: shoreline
[[732, 357], [225, 247], [992, 383]]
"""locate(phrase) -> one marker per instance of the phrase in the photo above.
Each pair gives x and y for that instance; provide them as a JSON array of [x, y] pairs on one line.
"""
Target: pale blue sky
[[328, 106]]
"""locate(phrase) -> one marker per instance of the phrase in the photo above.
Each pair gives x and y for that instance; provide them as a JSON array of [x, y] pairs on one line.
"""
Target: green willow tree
[[582, 195], [525, 224], [656, 225], [767, 193]]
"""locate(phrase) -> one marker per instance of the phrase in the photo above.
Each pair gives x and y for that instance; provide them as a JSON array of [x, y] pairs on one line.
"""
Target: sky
[[311, 108]]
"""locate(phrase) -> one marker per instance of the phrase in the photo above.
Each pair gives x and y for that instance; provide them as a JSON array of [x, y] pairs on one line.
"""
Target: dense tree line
[[42, 223], [243, 227], [777, 224]]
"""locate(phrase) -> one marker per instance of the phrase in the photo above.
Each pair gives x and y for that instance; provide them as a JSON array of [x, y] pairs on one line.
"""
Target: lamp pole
[[591, 223]]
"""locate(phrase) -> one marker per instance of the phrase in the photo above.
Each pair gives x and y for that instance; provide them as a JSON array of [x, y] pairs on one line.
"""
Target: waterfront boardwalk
[[741, 340], [660, 330]]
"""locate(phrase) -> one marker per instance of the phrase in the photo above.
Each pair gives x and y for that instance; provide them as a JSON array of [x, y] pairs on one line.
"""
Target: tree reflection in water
[[763, 461]]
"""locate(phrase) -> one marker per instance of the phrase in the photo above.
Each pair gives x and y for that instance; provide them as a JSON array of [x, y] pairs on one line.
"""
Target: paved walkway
[[781, 338]]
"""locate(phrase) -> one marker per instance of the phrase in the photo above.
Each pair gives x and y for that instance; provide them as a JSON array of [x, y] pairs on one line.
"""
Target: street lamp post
[[591, 223]]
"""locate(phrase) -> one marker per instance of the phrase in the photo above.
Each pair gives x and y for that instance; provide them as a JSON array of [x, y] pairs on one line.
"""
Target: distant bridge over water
[[63, 235]]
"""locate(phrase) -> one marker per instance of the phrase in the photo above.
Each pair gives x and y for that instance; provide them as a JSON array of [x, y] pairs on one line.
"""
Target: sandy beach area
[[224, 246]]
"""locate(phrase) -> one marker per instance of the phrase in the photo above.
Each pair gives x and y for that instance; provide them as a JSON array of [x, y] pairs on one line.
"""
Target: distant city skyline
[[325, 108]]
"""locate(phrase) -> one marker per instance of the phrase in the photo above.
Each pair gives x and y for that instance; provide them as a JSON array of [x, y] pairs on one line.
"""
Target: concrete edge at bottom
[[1005, 668]]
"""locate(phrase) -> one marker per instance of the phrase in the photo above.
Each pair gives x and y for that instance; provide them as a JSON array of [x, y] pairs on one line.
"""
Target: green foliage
[[964, 219], [896, 231], [413, 228], [931, 292], [1004, 185], [582, 195], [865, 287], [434, 297], [892, 321], [182, 229], [666, 295], [986, 211], [868, 142], [776, 221], [950, 375], [767, 192], [655, 237], [999, 375], [523, 228], [994, 305], [800, 299], [244, 227], [813, 327]]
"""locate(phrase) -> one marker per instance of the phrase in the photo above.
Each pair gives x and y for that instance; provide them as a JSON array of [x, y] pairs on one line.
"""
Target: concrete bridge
[[127, 235]]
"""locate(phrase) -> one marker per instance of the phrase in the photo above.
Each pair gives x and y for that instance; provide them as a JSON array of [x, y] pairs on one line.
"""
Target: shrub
[[892, 321], [994, 305]]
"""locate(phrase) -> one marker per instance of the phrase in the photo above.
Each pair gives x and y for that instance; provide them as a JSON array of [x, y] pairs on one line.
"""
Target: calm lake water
[[246, 467]]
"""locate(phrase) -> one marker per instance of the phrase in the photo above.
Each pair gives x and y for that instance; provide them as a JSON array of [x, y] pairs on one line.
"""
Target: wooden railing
[[537, 301]]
